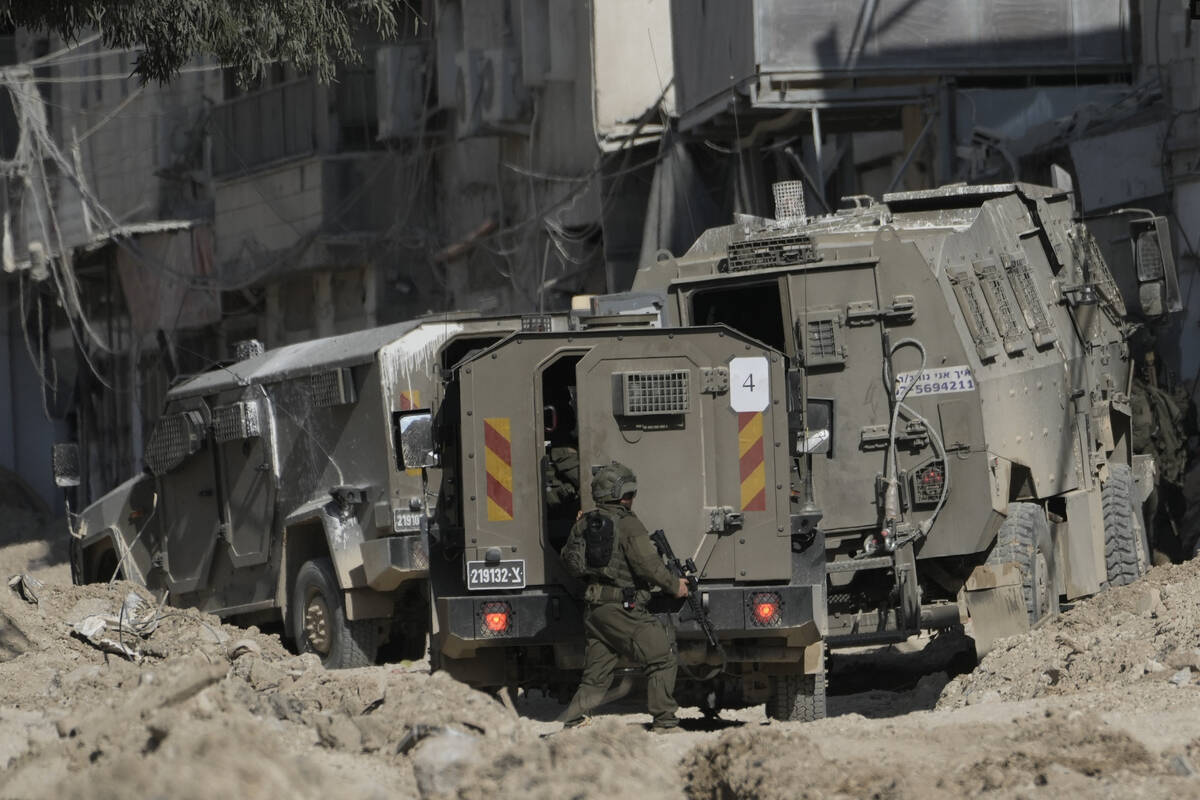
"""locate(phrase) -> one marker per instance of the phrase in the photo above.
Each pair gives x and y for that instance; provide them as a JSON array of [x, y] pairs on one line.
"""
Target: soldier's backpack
[[591, 550]]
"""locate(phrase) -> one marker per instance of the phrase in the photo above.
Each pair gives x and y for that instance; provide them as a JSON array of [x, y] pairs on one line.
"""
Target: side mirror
[[416, 440], [1158, 282], [64, 460], [819, 426]]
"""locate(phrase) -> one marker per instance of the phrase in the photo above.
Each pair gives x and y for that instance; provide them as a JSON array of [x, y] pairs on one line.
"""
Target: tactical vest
[[593, 550]]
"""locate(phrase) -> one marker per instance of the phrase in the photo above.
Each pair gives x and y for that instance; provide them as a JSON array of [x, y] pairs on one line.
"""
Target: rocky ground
[[1103, 702]]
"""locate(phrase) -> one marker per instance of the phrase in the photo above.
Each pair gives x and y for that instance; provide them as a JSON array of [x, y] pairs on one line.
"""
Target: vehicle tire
[[1024, 539], [797, 697], [105, 565], [1126, 549], [319, 623]]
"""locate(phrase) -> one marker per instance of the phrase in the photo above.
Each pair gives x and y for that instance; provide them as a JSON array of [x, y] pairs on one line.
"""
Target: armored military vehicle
[[374, 487], [274, 489], [962, 368], [702, 417]]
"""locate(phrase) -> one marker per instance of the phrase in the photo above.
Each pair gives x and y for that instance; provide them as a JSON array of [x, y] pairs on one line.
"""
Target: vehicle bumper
[[554, 617], [534, 616], [731, 611]]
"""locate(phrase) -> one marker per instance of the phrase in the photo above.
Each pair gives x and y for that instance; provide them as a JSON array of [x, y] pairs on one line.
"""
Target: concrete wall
[[8, 423], [1170, 45], [26, 433], [141, 148], [266, 212], [633, 64]]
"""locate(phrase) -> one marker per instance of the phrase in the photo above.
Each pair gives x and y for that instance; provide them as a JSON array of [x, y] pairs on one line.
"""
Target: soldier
[[610, 550], [560, 474], [560, 467], [1160, 429]]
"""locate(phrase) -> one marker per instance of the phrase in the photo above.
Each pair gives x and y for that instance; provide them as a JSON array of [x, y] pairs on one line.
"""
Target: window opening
[[756, 311], [560, 460]]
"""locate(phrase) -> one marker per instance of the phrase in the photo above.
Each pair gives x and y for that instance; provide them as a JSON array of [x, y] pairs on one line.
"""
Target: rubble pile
[[1146, 631], [32, 543], [103, 692], [1075, 755]]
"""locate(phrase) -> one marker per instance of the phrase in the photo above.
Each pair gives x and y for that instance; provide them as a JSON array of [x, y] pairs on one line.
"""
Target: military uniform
[[616, 622], [561, 478], [1158, 429]]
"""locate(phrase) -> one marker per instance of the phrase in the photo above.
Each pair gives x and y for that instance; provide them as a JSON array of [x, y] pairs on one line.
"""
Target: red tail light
[[764, 607], [496, 618], [765, 612]]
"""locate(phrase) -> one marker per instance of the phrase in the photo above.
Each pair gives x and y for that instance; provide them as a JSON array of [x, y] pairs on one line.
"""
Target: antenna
[[789, 208]]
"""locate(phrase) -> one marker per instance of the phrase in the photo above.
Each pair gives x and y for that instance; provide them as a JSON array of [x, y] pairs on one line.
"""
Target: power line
[[78, 57], [68, 49], [118, 76]]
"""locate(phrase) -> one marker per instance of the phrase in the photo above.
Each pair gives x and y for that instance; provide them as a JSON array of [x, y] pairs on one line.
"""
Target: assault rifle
[[687, 571]]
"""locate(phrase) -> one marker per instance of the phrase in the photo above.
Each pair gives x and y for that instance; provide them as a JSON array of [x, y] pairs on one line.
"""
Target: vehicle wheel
[[797, 697], [1024, 539], [402, 645], [105, 566], [319, 623], [1126, 550]]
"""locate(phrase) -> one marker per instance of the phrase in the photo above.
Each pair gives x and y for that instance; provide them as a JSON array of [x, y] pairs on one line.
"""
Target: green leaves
[[246, 35]]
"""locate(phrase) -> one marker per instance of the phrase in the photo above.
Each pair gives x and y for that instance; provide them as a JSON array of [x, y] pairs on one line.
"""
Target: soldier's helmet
[[612, 482]]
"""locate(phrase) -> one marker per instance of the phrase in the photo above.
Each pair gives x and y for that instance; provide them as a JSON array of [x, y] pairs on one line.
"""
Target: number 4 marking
[[749, 379]]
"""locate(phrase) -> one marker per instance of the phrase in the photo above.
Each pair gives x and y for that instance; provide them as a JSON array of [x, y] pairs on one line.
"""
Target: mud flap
[[1145, 476], [996, 605], [814, 658]]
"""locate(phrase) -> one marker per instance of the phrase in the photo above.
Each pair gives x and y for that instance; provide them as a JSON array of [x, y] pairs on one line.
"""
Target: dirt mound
[[1078, 755], [1146, 631], [104, 693], [32, 542], [198, 708], [606, 759]]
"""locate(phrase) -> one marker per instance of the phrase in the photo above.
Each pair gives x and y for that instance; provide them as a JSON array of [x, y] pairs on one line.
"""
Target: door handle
[[206, 492]]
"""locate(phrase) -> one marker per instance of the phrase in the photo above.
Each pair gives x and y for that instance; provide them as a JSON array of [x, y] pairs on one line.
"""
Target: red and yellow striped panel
[[753, 470], [497, 438]]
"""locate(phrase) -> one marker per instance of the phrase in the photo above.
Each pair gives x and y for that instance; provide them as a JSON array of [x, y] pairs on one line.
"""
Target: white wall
[[634, 61]]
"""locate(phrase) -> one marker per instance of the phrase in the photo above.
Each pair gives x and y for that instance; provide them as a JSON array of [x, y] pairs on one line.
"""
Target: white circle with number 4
[[749, 384]]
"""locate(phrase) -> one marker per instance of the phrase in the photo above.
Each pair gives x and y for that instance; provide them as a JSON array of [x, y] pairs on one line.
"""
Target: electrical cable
[[74, 58], [116, 76], [127, 548], [927, 524], [891, 503], [136, 93], [64, 51]]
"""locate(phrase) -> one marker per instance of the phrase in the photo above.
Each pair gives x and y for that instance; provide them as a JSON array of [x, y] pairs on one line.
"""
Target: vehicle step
[[857, 564]]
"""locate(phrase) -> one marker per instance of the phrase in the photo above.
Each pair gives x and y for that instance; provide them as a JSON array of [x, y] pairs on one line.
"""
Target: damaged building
[[506, 156]]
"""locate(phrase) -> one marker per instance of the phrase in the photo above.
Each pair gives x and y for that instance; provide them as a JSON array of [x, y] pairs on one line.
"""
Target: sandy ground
[[1103, 702]]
